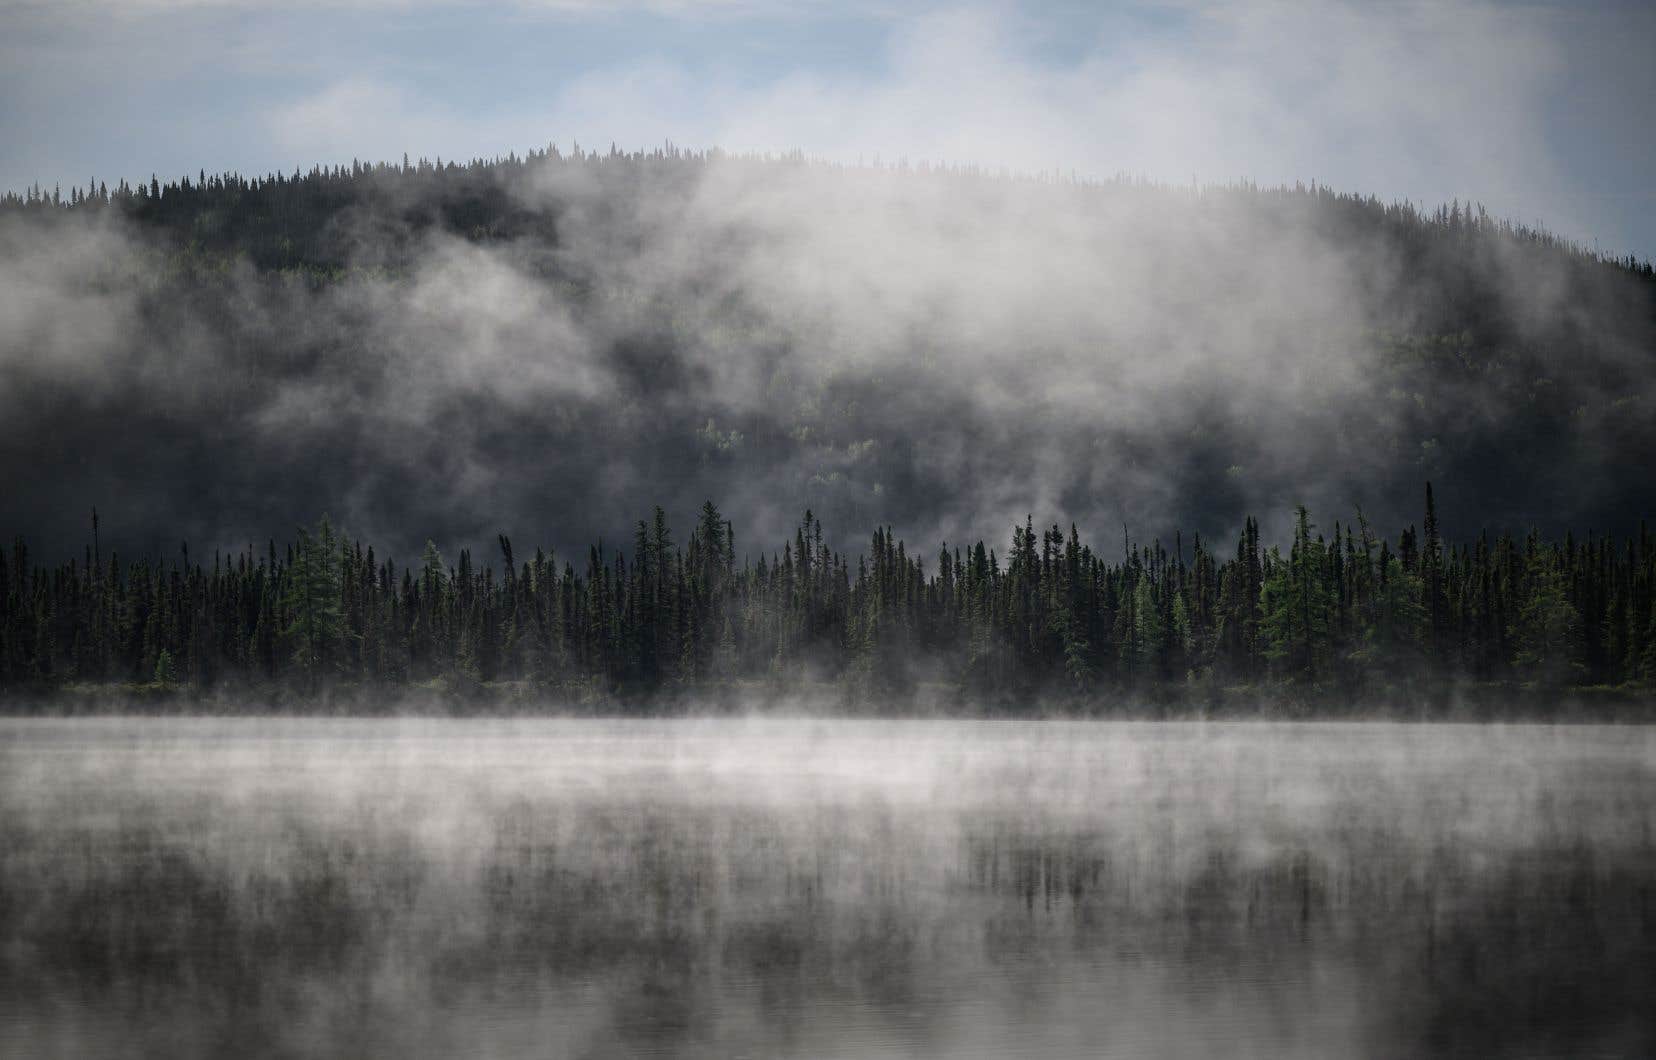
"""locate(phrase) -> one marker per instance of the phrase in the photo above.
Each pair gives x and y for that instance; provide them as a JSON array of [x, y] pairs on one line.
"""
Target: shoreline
[[1476, 704]]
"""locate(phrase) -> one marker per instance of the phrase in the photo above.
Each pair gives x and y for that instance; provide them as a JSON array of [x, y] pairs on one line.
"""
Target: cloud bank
[[937, 350], [1422, 102]]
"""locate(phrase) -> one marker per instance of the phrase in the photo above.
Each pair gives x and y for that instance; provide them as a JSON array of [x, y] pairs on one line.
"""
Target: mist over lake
[[265, 887], [777, 529]]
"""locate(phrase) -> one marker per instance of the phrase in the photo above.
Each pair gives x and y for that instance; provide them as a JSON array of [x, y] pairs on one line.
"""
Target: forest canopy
[[1341, 617]]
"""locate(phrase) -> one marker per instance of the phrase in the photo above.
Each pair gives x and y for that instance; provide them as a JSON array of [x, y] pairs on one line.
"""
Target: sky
[[1539, 110]]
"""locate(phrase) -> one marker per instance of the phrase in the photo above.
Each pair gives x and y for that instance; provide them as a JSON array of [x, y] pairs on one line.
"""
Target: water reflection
[[810, 889]]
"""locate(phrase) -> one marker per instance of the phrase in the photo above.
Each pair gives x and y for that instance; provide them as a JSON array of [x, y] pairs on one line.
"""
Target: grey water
[[724, 888]]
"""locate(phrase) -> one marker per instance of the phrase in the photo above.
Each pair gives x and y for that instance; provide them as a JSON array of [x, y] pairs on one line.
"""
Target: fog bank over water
[[801, 888]]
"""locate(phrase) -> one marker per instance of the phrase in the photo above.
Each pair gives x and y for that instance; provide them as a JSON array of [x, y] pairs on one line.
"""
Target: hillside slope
[[565, 340]]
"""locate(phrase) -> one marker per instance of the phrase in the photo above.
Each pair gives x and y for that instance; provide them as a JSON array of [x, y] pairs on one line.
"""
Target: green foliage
[[1547, 629], [1346, 615], [313, 600], [1647, 656], [1147, 631], [1391, 628], [165, 675]]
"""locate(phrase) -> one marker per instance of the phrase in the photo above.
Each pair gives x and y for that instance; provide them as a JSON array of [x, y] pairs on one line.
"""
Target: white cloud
[[1424, 102]]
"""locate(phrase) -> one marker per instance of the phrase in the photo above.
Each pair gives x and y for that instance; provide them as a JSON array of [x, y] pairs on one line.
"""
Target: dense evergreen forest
[[1343, 619], [564, 338]]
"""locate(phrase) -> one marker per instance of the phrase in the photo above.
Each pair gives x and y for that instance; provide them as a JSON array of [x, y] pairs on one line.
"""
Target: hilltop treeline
[[285, 221], [1343, 615]]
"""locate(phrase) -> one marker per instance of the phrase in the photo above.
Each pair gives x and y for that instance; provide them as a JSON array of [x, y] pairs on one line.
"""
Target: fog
[[984, 276], [195, 886], [938, 350]]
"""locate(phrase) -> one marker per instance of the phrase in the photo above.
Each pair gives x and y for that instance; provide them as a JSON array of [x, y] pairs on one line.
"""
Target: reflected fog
[[720, 888]]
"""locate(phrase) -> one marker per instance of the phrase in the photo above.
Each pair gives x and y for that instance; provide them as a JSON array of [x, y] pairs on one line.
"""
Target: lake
[[765, 888]]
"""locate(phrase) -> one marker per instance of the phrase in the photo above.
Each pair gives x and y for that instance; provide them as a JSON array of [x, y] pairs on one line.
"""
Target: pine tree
[[313, 601], [1547, 630], [1149, 644], [1296, 602], [164, 671]]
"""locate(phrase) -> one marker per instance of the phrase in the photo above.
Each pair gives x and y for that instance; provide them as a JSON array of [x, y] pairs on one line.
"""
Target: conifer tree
[[1547, 627], [313, 602]]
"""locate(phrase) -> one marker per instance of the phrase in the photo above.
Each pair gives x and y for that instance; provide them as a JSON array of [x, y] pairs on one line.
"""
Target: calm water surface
[[824, 889]]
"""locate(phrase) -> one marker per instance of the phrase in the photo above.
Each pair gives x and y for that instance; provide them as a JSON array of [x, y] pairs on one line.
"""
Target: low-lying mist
[[549, 346], [813, 888]]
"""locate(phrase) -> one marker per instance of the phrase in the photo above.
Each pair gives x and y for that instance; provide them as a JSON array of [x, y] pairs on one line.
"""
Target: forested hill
[[1338, 621], [562, 339]]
